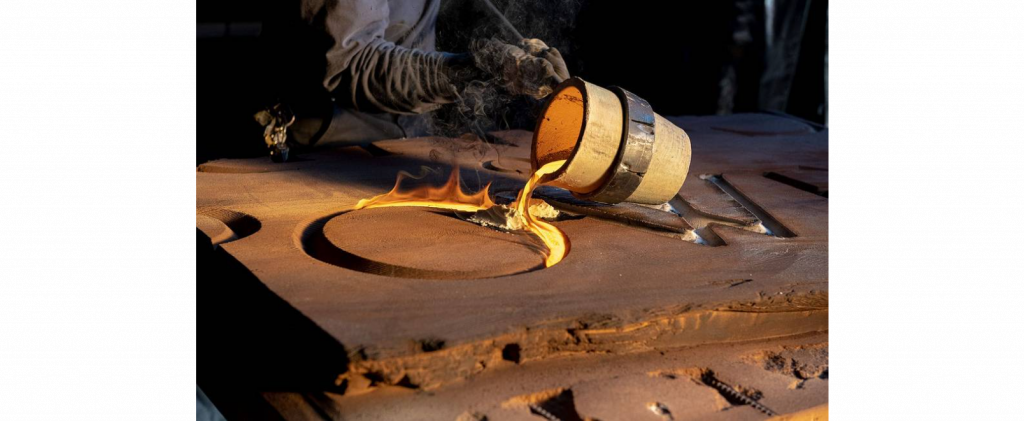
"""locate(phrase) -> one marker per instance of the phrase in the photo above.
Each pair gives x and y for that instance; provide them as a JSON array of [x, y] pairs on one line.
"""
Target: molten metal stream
[[450, 196], [554, 238]]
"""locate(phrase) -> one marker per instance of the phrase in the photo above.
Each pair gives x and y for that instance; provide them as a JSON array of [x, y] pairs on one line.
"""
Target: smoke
[[484, 105], [551, 21]]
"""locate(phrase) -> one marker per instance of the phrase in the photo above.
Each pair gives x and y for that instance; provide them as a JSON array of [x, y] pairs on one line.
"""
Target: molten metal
[[554, 238]]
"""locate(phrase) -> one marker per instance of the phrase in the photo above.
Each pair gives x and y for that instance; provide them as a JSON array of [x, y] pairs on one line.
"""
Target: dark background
[[684, 57]]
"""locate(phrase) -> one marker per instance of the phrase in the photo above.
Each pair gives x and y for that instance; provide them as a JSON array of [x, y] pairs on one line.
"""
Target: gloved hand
[[532, 68]]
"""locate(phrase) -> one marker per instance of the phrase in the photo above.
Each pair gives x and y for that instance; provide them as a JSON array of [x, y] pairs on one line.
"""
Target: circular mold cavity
[[224, 226], [421, 243]]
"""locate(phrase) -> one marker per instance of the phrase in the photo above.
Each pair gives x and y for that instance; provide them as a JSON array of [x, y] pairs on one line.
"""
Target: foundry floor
[[403, 313]]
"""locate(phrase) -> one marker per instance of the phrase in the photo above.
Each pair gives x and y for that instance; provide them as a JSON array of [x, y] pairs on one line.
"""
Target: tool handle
[[504, 21]]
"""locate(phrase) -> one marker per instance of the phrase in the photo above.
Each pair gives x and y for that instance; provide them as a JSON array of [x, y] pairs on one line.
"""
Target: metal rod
[[501, 17]]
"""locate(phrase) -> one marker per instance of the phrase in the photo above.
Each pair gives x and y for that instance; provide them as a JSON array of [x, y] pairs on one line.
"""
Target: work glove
[[531, 68]]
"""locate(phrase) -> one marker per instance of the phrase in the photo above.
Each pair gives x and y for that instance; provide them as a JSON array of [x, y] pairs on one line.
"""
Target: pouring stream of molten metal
[[450, 196], [554, 238]]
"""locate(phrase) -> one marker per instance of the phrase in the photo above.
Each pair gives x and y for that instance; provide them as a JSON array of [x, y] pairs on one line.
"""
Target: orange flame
[[450, 196]]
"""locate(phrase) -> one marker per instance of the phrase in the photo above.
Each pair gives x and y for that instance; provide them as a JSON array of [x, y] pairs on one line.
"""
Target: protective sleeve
[[372, 74]]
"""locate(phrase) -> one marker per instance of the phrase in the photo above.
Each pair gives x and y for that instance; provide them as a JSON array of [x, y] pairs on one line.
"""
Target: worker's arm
[[369, 73], [376, 75]]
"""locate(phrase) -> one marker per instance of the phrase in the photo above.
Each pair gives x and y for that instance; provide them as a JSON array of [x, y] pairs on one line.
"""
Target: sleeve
[[371, 74]]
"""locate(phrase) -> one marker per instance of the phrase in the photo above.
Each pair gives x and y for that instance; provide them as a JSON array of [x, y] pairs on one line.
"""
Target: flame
[[450, 196]]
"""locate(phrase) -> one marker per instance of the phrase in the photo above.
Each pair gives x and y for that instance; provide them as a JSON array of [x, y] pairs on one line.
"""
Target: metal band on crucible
[[634, 153]]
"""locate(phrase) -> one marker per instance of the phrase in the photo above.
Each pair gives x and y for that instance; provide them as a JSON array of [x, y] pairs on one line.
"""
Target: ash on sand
[[505, 218]]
